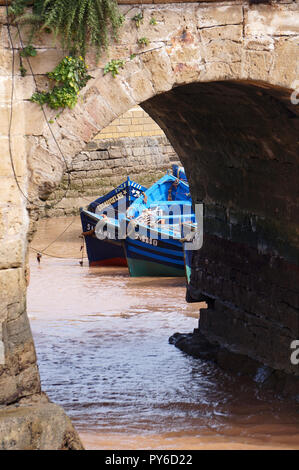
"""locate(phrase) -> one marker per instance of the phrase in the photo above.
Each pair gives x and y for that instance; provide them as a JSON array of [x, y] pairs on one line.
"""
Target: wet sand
[[103, 353], [94, 441]]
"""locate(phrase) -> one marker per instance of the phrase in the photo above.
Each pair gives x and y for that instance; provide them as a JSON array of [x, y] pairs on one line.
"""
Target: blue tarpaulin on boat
[[168, 190]]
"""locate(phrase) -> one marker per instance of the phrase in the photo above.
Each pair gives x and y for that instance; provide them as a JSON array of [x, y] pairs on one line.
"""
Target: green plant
[[28, 51], [70, 77], [132, 56], [79, 23], [23, 71], [143, 41], [153, 21], [17, 7], [138, 19], [113, 67]]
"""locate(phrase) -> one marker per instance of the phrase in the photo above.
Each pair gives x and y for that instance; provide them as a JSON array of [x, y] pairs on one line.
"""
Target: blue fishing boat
[[151, 230], [102, 252], [153, 245]]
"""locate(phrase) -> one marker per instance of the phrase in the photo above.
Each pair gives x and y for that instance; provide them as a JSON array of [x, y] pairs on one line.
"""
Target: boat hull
[[163, 260], [101, 252], [153, 244]]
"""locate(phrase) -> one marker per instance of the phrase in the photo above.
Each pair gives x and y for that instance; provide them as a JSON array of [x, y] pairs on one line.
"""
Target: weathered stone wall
[[18, 370], [237, 140], [132, 145], [104, 164]]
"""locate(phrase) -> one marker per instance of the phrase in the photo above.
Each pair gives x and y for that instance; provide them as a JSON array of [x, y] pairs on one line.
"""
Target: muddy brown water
[[103, 354]]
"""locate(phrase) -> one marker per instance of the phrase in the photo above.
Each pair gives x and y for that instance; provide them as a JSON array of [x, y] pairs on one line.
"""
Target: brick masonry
[[133, 123]]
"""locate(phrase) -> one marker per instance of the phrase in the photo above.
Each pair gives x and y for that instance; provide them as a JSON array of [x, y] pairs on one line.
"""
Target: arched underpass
[[239, 145], [218, 79]]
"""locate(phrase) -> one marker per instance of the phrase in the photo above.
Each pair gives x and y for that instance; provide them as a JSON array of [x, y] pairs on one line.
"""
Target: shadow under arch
[[238, 142]]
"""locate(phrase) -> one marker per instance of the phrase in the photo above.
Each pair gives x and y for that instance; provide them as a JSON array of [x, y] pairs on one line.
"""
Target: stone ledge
[[37, 427], [196, 345]]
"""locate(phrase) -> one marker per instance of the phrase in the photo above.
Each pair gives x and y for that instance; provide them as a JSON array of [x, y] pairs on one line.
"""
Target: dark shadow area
[[238, 143]]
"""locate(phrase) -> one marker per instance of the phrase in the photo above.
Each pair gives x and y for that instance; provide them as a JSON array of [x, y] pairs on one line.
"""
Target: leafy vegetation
[[70, 77], [17, 7], [23, 71], [138, 19], [28, 51], [79, 23], [113, 67], [143, 41]]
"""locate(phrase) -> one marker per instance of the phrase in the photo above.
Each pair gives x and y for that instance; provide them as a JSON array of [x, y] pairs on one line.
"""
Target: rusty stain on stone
[[184, 36]]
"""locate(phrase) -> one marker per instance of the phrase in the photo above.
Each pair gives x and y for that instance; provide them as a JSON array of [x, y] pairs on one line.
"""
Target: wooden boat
[[149, 233], [101, 252], [153, 246]]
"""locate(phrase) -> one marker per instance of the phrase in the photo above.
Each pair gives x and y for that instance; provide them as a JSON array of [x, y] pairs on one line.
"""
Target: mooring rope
[[43, 251]]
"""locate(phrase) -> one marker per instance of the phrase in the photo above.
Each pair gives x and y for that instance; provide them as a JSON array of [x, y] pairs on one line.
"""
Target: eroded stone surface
[[42, 426], [104, 164]]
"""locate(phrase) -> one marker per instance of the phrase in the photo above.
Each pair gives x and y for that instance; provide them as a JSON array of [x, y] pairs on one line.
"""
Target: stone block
[[46, 60], [159, 66], [223, 51], [16, 160], [12, 287], [12, 253], [115, 152], [99, 110], [285, 53], [272, 20], [140, 85], [79, 124], [18, 332], [34, 119], [208, 16], [16, 124], [232, 33], [8, 389], [113, 91], [39, 426]]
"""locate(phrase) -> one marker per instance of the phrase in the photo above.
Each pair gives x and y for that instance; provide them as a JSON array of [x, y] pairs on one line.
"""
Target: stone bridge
[[220, 79]]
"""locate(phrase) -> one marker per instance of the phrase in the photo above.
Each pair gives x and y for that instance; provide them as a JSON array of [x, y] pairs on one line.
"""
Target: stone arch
[[241, 56], [190, 44]]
